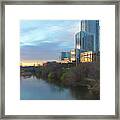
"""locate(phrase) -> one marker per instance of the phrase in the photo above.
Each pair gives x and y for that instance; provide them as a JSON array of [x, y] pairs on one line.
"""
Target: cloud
[[55, 28], [45, 39], [44, 51]]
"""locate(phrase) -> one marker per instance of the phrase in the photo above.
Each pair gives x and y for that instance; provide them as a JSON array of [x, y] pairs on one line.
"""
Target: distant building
[[89, 56], [49, 63], [72, 55], [77, 46], [65, 57], [86, 57], [77, 41], [84, 42]]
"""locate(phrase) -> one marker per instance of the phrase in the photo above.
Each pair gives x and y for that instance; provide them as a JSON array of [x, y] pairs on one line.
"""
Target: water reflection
[[82, 93], [32, 88]]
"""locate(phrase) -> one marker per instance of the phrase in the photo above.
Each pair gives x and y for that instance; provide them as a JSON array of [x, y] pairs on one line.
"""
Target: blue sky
[[45, 39]]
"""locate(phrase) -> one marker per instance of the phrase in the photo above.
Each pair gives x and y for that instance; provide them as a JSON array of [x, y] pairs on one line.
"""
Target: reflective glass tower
[[84, 41], [65, 55], [92, 28], [88, 38]]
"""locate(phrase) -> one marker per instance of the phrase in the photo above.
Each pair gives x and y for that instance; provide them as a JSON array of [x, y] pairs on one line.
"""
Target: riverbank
[[32, 88], [86, 75]]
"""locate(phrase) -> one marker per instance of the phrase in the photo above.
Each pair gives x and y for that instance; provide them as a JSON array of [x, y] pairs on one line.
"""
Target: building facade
[[92, 27], [77, 40], [86, 56], [85, 41], [65, 57], [72, 55]]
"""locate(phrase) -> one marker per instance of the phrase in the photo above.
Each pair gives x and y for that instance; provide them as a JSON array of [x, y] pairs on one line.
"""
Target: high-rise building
[[65, 56], [84, 41], [77, 47], [77, 41], [88, 38], [89, 42], [86, 56], [72, 55], [92, 27]]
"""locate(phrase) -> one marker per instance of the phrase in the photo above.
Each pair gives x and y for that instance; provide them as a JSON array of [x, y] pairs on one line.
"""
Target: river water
[[37, 89]]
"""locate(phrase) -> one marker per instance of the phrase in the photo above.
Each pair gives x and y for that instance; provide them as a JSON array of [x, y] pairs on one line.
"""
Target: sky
[[44, 40]]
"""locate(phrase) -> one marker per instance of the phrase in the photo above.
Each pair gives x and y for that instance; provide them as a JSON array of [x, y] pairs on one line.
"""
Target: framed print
[[59, 59]]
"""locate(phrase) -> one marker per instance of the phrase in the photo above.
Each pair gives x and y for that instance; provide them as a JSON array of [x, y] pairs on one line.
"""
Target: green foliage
[[66, 74], [63, 76], [51, 76]]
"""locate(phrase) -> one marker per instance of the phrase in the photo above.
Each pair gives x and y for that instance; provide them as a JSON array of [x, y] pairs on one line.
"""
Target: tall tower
[[77, 48], [77, 41], [92, 27]]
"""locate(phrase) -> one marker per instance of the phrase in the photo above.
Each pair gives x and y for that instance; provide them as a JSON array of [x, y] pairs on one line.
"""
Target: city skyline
[[43, 40]]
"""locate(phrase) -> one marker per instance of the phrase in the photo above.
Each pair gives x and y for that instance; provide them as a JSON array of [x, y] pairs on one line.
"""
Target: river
[[32, 88]]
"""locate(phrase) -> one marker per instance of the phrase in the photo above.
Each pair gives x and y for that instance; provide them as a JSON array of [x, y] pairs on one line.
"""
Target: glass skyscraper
[[77, 41], [65, 55], [92, 28], [88, 38], [84, 41]]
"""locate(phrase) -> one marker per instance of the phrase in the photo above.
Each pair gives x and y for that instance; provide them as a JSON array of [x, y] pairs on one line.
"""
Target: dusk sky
[[45, 39]]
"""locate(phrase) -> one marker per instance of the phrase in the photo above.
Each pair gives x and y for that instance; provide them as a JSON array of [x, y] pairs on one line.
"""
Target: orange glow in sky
[[31, 63]]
